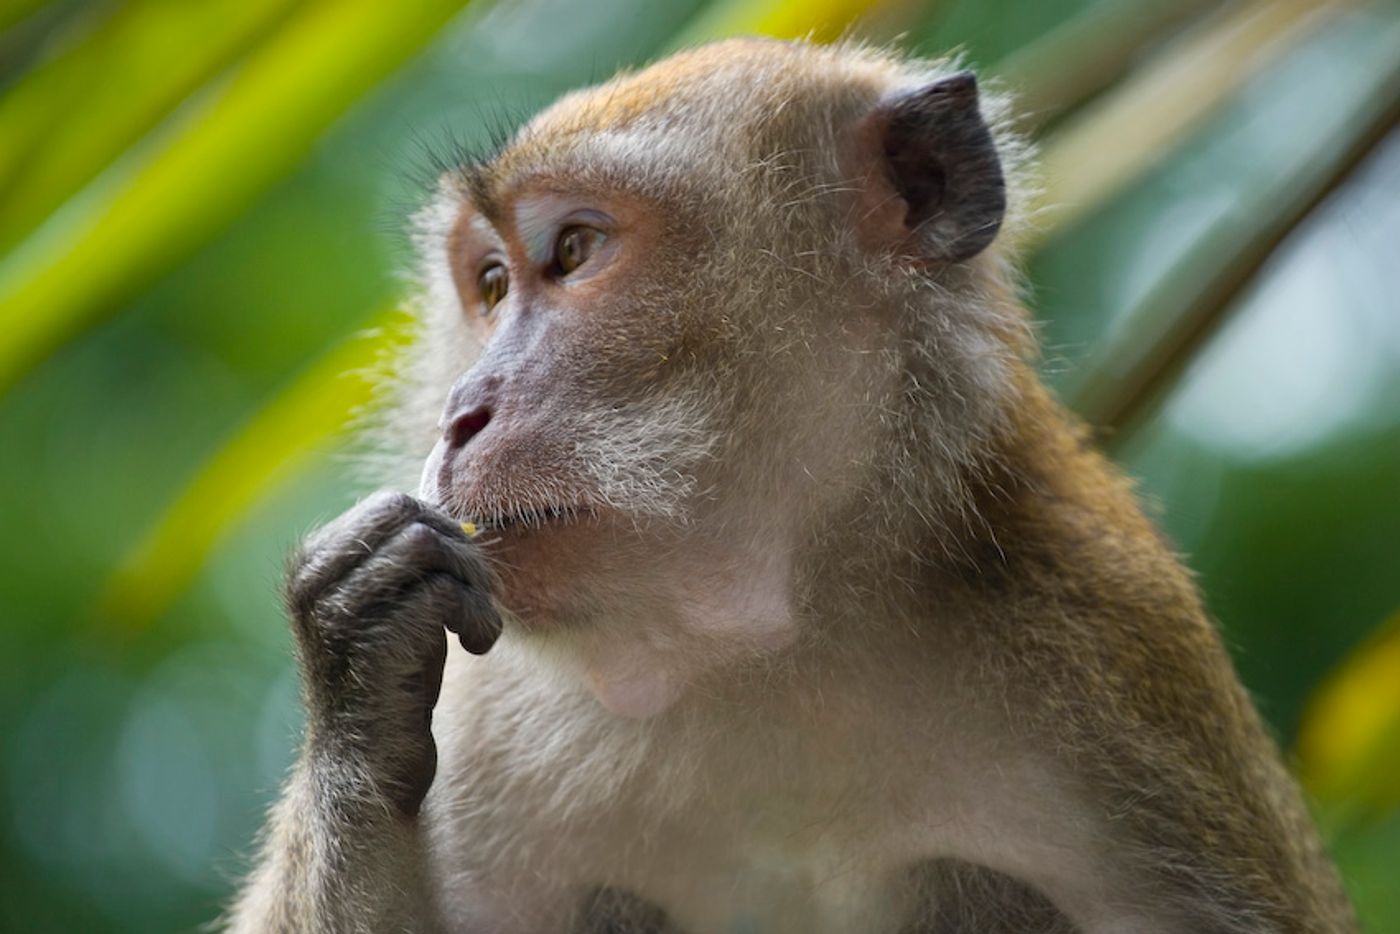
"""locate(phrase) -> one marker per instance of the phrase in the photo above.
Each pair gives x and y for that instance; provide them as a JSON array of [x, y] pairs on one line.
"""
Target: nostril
[[466, 426]]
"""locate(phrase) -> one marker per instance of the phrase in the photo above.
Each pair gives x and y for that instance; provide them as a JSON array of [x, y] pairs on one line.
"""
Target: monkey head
[[691, 369]]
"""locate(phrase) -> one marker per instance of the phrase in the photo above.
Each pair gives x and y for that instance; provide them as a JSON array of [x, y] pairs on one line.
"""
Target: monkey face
[[600, 437], [623, 425], [571, 440], [692, 315]]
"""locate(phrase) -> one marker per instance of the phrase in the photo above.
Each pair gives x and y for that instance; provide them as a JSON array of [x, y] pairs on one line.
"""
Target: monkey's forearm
[[338, 856], [369, 594]]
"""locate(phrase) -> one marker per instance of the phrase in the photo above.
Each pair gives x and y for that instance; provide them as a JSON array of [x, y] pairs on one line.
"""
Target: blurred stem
[[185, 184], [1130, 370], [1089, 53], [1117, 400], [1104, 148]]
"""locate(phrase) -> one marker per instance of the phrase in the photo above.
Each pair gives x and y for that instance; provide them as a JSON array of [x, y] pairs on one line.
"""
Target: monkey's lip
[[532, 517]]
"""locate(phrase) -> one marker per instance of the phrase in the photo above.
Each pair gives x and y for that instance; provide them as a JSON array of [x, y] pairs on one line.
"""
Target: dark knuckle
[[418, 539], [381, 498], [440, 515], [390, 502]]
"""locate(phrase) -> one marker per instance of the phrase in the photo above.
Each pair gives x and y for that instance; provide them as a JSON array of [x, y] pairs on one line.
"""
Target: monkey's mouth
[[529, 518]]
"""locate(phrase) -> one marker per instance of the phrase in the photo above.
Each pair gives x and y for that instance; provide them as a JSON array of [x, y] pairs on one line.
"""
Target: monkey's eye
[[574, 246], [493, 283]]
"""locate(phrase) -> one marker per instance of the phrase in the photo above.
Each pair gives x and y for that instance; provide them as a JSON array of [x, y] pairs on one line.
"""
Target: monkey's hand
[[370, 594]]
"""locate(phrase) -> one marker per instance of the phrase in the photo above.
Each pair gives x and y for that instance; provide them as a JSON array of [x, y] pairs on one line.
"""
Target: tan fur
[[873, 640]]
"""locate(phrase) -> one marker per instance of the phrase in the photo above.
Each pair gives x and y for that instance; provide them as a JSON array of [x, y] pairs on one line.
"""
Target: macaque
[[790, 599]]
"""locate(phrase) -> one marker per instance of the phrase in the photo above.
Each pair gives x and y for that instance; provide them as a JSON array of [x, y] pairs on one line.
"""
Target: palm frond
[[183, 183]]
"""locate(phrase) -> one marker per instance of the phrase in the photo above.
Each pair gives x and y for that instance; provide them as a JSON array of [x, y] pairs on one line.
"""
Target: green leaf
[[122, 78], [199, 171], [12, 11], [1128, 366], [273, 445]]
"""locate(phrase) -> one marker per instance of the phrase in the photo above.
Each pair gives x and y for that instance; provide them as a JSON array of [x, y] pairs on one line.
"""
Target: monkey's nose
[[462, 428]]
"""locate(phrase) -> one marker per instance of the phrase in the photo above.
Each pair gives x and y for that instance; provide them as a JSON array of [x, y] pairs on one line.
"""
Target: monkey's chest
[[759, 884], [764, 832], [768, 866]]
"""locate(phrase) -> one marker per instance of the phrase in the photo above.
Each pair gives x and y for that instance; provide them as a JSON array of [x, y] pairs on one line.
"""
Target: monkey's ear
[[942, 162]]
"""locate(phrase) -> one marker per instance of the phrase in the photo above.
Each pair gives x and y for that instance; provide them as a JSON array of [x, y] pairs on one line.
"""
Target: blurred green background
[[202, 207]]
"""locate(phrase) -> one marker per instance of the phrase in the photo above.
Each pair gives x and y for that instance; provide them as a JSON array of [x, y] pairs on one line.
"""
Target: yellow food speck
[[469, 528]]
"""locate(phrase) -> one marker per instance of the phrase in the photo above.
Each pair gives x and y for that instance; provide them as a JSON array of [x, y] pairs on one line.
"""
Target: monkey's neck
[[903, 592], [715, 612], [1034, 487]]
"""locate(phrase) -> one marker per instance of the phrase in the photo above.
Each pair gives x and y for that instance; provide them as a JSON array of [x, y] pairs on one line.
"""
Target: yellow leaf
[[819, 20], [268, 450], [1349, 742], [122, 75]]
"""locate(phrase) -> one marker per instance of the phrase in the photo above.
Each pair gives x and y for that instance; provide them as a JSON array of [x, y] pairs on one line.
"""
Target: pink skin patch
[[717, 612], [628, 682]]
